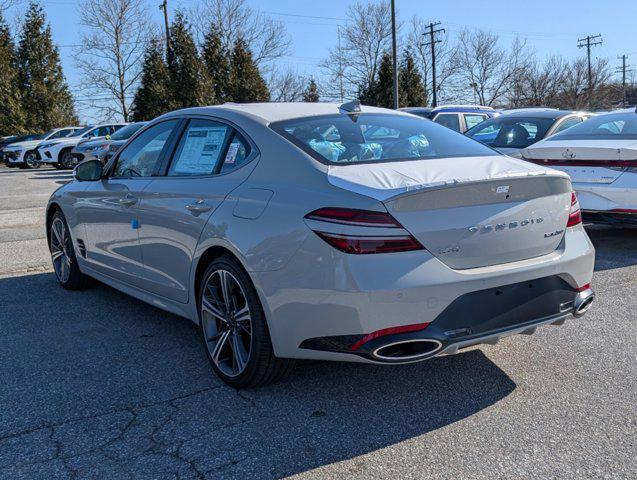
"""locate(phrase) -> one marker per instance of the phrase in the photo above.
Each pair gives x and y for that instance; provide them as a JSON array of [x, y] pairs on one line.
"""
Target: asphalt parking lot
[[95, 384]]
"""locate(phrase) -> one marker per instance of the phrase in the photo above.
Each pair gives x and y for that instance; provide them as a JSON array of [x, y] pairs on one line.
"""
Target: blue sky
[[550, 27]]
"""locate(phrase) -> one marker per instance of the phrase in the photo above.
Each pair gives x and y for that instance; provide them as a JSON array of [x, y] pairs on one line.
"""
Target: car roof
[[538, 113], [276, 111], [416, 109], [462, 108]]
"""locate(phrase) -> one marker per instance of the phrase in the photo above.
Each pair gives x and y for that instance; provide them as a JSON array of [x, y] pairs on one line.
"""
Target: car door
[[108, 210], [210, 160]]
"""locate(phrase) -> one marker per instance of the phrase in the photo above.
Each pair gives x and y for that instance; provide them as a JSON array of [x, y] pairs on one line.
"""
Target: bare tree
[[540, 84], [287, 86], [266, 38], [112, 53], [575, 90], [484, 69], [364, 39]]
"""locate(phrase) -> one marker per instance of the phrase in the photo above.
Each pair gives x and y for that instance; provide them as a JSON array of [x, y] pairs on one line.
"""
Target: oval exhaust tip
[[409, 350], [583, 302]]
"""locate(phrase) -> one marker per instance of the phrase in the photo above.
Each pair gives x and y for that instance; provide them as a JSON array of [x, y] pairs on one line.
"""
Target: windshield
[[365, 138], [603, 127], [126, 132], [81, 131], [511, 132]]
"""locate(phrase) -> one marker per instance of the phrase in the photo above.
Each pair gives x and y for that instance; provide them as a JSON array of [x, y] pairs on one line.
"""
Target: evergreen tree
[[154, 95], [412, 91], [191, 86], [385, 83], [246, 82], [311, 92], [46, 100], [11, 118], [217, 62]]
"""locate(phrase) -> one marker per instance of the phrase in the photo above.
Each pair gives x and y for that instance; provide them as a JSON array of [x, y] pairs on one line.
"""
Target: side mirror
[[89, 171]]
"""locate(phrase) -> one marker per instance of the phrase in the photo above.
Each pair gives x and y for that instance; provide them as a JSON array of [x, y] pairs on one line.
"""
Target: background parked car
[[461, 117], [23, 154], [510, 132], [59, 152], [600, 155], [104, 147], [456, 117], [14, 139]]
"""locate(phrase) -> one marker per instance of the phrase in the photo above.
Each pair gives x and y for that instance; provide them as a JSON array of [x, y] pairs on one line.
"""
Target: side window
[[140, 156], [449, 120], [200, 148], [568, 123], [236, 155], [471, 119]]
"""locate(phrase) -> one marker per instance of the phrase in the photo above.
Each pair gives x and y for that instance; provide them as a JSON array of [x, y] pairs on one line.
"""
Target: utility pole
[[164, 7], [432, 42], [394, 54], [589, 42], [623, 70], [340, 65]]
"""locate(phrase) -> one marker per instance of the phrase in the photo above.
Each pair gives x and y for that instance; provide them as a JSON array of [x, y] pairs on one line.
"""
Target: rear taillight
[[358, 242], [575, 216]]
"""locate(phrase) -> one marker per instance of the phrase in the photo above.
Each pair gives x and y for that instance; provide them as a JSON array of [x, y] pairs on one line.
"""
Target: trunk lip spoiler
[[415, 190]]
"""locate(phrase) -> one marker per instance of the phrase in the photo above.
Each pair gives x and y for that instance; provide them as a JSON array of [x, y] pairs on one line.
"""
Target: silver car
[[320, 231]]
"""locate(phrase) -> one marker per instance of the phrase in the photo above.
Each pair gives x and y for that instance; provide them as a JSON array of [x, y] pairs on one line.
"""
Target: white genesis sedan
[[600, 155], [319, 231]]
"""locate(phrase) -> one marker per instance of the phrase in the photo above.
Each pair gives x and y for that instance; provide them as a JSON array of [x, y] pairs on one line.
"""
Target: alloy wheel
[[226, 322], [31, 160], [60, 250], [67, 160]]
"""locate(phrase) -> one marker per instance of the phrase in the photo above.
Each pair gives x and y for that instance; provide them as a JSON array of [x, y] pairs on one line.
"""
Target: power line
[[588, 42], [432, 42]]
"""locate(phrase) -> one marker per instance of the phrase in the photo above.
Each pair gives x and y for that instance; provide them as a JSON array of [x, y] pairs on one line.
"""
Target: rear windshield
[[603, 127], [368, 138], [126, 132], [511, 132]]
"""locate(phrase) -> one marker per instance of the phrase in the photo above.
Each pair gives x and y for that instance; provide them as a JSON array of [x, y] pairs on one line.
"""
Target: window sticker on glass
[[231, 156], [201, 150]]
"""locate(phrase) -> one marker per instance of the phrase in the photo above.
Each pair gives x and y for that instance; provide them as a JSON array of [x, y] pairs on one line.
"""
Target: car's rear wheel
[[66, 161], [31, 160], [234, 329], [63, 256]]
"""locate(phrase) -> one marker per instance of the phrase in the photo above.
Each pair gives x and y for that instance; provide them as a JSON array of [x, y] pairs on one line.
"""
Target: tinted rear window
[[511, 132], [368, 138], [603, 127]]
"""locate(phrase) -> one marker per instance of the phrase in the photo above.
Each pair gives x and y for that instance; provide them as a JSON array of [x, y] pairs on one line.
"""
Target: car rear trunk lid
[[601, 161], [470, 212]]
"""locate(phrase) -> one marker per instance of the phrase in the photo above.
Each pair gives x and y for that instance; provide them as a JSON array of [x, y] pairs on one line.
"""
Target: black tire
[[262, 366], [30, 160], [75, 279], [66, 161]]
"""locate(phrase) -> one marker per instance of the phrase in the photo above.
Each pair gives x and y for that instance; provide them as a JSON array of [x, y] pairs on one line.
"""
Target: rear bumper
[[321, 293], [610, 217], [479, 317]]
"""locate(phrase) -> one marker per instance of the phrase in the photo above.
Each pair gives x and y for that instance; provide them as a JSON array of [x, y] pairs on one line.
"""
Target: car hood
[[23, 145], [93, 142], [389, 179]]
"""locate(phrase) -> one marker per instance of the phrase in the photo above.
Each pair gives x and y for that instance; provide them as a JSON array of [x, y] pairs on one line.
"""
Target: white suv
[[24, 154], [58, 152]]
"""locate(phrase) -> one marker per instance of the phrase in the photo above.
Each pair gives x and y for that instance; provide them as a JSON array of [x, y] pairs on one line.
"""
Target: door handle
[[128, 201], [198, 207]]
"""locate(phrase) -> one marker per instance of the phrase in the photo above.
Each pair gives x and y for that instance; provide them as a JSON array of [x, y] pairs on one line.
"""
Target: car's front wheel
[[234, 329], [31, 160], [63, 256], [66, 160]]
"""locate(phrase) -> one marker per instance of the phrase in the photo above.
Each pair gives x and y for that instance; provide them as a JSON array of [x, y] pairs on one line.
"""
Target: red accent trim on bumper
[[388, 331]]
